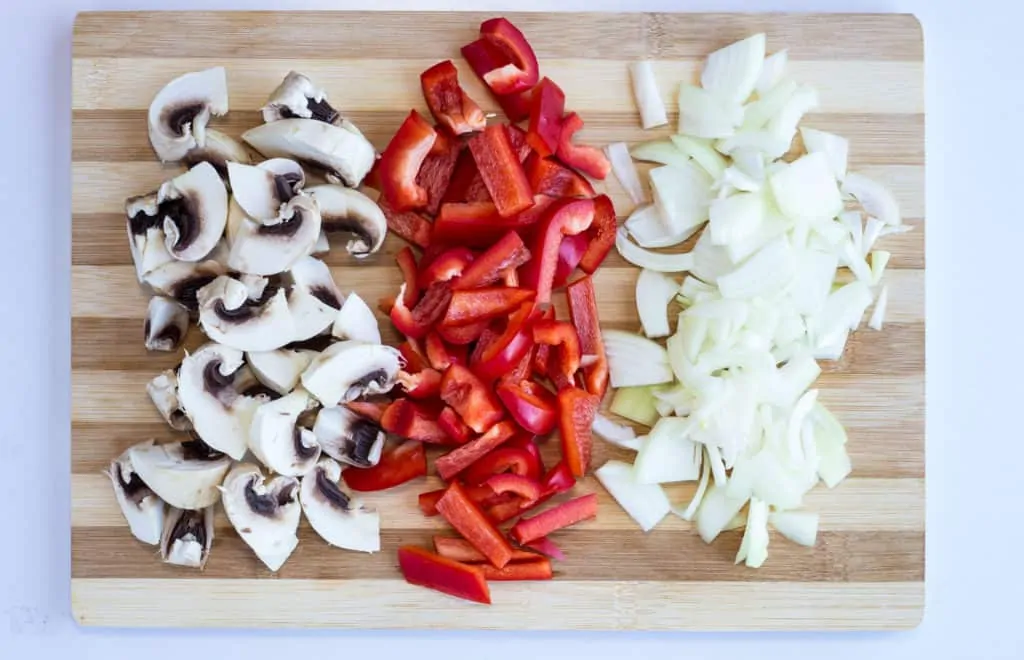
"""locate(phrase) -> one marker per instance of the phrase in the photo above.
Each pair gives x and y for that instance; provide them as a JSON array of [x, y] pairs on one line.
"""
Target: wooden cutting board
[[867, 570]]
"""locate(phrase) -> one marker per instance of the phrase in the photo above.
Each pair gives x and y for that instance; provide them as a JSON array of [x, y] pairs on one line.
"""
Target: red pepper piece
[[558, 479], [407, 225], [508, 253], [453, 426], [465, 184], [471, 398], [473, 306], [501, 170], [570, 253], [477, 224], [423, 384], [445, 267], [369, 409], [436, 172], [463, 514], [517, 460], [589, 160], [481, 495], [506, 351], [559, 517], [408, 420], [522, 71], [440, 355], [562, 335], [462, 335], [543, 352], [527, 489], [526, 441], [397, 466], [426, 569], [601, 234], [401, 161], [532, 406], [520, 145], [372, 178], [535, 569], [576, 411], [448, 102], [521, 371], [415, 361], [407, 264], [462, 457], [583, 312], [484, 57], [548, 177], [417, 322], [546, 546], [462, 550], [566, 217], [546, 109]]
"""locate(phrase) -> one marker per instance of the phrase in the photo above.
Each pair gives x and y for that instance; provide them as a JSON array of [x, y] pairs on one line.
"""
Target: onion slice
[[636, 255], [625, 171], [645, 91], [874, 197], [619, 435], [634, 361], [647, 504], [878, 314], [800, 527], [654, 291]]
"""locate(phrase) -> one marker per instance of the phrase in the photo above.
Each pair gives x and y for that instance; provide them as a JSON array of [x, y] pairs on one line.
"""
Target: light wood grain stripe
[[556, 605]]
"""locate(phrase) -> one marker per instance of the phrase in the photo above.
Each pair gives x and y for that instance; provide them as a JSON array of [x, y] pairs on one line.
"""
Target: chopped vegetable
[[635, 360], [397, 466], [798, 526], [462, 457], [448, 102], [576, 411], [589, 160], [668, 455], [617, 434], [665, 263], [501, 170], [463, 551], [547, 105], [654, 290], [461, 513], [647, 504], [559, 517], [534, 569], [878, 315], [625, 171], [426, 569], [401, 161], [645, 92]]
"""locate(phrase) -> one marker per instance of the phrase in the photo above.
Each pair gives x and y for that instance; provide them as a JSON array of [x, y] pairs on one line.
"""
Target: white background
[[975, 108]]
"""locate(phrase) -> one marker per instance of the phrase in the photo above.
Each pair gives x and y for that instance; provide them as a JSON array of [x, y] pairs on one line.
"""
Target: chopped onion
[[872, 230], [769, 143], [852, 221], [899, 229], [654, 290], [785, 122], [636, 404], [813, 281], [625, 171], [694, 291], [732, 72], [647, 504], [879, 260], [806, 189], [634, 360], [835, 147], [800, 527], [660, 151], [665, 263], [754, 547], [619, 435], [874, 197], [736, 218], [648, 229], [842, 311], [765, 273], [705, 115], [691, 510], [878, 315], [710, 261], [701, 152], [645, 91], [668, 456], [715, 512], [771, 71], [683, 194], [756, 115]]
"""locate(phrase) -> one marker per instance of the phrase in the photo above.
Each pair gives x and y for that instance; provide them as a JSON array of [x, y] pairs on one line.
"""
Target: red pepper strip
[[529, 490], [532, 406], [368, 409], [436, 171], [506, 351], [462, 335], [583, 312], [570, 253], [462, 457], [426, 569], [508, 253], [407, 420], [446, 266], [526, 442], [517, 137], [548, 177], [560, 334], [566, 217], [471, 398], [397, 466], [453, 426], [465, 184], [576, 411], [559, 479], [546, 109], [407, 225], [401, 161], [521, 371], [407, 264], [601, 234], [372, 178], [448, 102], [589, 160], [469, 307], [482, 495], [417, 322], [501, 170], [423, 384], [484, 57], [461, 513], [522, 71], [543, 352], [546, 546], [506, 458], [478, 225], [559, 517], [462, 550], [440, 355], [536, 569]]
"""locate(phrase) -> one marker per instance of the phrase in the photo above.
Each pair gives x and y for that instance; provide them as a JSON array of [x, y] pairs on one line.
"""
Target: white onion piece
[[634, 360], [710, 261], [800, 527], [736, 218], [763, 274], [715, 512], [872, 230], [754, 547], [835, 147], [647, 227], [842, 311], [874, 197], [619, 435], [785, 122], [806, 189], [683, 195], [625, 171], [879, 260], [888, 230], [691, 509], [702, 152], [654, 290], [878, 314], [852, 221], [665, 263], [660, 151], [647, 504], [771, 71], [645, 91], [705, 115], [812, 282], [757, 114], [669, 455], [732, 72]]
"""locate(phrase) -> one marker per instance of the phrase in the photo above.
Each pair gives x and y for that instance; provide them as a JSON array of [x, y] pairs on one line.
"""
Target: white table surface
[[975, 108]]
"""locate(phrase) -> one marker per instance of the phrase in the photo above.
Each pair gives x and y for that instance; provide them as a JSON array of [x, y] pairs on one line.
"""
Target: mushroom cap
[[344, 155], [269, 248], [264, 513], [183, 474], [180, 111], [297, 96], [187, 537], [140, 506], [219, 150], [182, 280], [194, 210], [350, 369], [212, 399], [166, 324], [279, 369], [346, 210], [229, 316], [338, 517], [355, 320], [349, 438], [314, 299], [261, 190], [163, 390], [278, 442]]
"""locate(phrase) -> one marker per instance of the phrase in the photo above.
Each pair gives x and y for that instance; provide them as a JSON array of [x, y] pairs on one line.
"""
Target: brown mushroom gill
[[249, 309], [331, 492], [259, 389], [285, 229], [181, 211], [214, 381], [197, 450], [267, 504], [365, 434], [190, 522], [302, 450], [320, 111], [170, 333], [378, 376], [178, 117], [317, 343], [326, 296], [186, 291], [335, 224], [135, 489]]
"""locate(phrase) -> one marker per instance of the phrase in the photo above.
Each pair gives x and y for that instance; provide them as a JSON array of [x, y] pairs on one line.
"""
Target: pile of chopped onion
[[728, 396]]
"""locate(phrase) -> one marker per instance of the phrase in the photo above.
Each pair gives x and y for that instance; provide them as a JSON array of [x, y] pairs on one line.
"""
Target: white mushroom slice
[[344, 155], [297, 96], [219, 150], [269, 248], [261, 190], [140, 506], [211, 395], [314, 299], [281, 369], [322, 245], [228, 316], [146, 235], [183, 474], [187, 537], [356, 321], [345, 210], [180, 111], [163, 390], [339, 518], [182, 280], [264, 513], [277, 440], [349, 438], [166, 324], [350, 369]]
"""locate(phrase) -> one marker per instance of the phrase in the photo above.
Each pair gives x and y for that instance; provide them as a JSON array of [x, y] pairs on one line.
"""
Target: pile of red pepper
[[503, 217]]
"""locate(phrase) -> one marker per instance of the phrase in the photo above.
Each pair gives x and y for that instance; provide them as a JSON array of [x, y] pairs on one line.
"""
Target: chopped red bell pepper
[[372, 178], [482, 495], [601, 234], [415, 361], [369, 409], [397, 465], [510, 277], [508, 253], [465, 184], [517, 138], [478, 225], [409, 420], [460, 336], [532, 406], [555, 518], [560, 334], [558, 479], [407, 264], [475, 305], [462, 550], [453, 426], [436, 171], [440, 355], [589, 160], [535, 569], [543, 352], [566, 217], [484, 57], [431, 308], [462, 457], [501, 170], [546, 546], [401, 161], [576, 411], [521, 371], [445, 267], [527, 489], [424, 384], [518, 460], [551, 178], [471, 398], [492, 360], [583, 312], [448, 102], [527, 442], [407, 225], [463, 514], [570, 253], [522, 72], [546, 109], [426, 569]]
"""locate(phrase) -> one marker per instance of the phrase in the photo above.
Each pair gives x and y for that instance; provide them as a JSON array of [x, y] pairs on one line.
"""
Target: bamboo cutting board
[[867, 570]]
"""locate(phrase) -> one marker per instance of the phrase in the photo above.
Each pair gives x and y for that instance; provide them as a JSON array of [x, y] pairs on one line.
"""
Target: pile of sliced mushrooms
[[232, 243]]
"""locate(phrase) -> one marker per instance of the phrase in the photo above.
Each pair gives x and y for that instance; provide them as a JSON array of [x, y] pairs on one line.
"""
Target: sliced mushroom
[[166, 324], [163, 390], [187, 537], [183, 474], [229, 316], [146, 235], [213, 400], [345, 210], [343, 154], [140, 506], [264, 513], [297, 96], [277, 440], [314, 299], [279, 370], [356, 321], [219, 150], [350, 369], [339, 518], [264, 248], [322, 245], [349, 438], [180, 111], [261, 190]]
